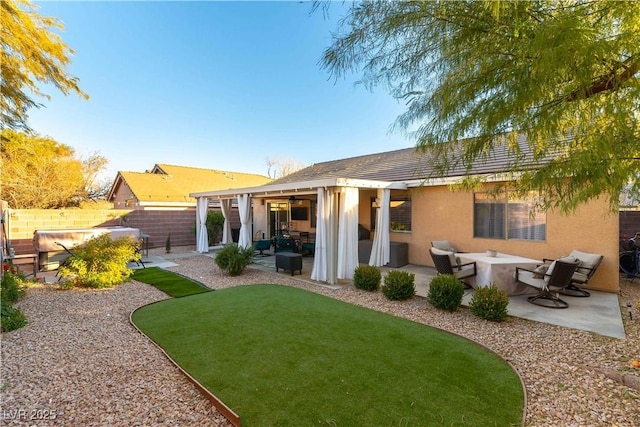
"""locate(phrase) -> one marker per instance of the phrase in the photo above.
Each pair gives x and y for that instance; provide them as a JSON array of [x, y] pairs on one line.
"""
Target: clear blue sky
[[219, 85]]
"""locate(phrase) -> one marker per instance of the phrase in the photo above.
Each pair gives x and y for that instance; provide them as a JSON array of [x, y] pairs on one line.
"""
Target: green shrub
[[12, 288], [215, 222], [367, 278], [445, 292], [100, 263], [167, 244], [233, 259], [489, 302], [11, 318], [399, 285]]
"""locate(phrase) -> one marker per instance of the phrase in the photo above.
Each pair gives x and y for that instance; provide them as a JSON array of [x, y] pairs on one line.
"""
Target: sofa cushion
[[443, 245], [588, 261], [540, 271]]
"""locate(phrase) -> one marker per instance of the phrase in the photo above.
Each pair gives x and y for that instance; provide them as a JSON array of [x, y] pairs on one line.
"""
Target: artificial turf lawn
[[170, 283], [283, 356]]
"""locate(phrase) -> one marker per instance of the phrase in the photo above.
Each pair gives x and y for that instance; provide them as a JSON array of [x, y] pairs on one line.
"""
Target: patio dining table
[[500, 270]]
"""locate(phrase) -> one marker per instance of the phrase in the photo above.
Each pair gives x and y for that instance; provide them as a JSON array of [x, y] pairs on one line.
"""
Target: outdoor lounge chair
[[447, 263], [587, 267], [261, 246], [444, 245], [285, 244], [557, 277]]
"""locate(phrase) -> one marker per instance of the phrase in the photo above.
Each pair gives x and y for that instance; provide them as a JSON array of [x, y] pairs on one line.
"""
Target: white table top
[[500, 258]]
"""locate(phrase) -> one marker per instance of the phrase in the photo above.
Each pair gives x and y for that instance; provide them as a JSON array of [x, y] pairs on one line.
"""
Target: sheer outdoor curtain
[[380, 249], [201, 220], [348, 233], [244, 209], [320, 266], [225, 206]]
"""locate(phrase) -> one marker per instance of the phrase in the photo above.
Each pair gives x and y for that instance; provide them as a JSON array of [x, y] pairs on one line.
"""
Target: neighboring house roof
[[172, 184]]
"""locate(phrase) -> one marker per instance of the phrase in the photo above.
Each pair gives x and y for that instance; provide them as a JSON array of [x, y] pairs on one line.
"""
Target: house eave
[[449, 180], [303, 187]]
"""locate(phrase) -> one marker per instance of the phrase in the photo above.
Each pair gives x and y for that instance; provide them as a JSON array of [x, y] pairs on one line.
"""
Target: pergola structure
[[336, 243]]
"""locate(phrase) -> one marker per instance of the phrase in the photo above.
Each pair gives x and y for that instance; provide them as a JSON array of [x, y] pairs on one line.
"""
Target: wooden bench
[[25, 260]]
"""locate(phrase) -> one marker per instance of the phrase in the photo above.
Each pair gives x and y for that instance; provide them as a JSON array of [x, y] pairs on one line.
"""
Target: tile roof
[[171, 183], [406, 165]]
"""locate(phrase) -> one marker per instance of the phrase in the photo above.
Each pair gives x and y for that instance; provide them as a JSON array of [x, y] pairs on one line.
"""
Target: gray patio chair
[[446, 262], [589, 263], [261, 246], [443, 245], [557, 277]]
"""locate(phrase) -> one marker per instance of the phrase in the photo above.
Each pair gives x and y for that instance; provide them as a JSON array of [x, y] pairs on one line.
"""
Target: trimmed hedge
[[445, 292]]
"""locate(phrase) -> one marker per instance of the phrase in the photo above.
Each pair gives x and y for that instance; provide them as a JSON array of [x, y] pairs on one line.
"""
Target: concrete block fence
[[158, 224], [629, 223]]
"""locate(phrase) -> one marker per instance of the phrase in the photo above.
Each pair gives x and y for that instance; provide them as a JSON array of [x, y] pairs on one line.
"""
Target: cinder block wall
[[22, 223], [158, 224], [629, 223]]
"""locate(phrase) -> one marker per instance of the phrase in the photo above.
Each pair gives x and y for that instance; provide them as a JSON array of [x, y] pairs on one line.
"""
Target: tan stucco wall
[[439, 213]]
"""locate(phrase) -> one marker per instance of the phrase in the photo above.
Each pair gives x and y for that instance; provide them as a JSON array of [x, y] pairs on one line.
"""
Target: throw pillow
[[540, 270], [451, 255]]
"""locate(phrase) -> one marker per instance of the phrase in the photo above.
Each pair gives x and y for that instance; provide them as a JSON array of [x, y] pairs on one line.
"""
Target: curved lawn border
[[235, 418], [217, 403]]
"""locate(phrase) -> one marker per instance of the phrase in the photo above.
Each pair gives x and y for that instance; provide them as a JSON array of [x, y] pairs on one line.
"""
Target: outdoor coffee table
[[290, 261]]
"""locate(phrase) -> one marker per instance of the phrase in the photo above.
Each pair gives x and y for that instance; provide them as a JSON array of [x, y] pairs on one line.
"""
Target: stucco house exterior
[[419, 210]]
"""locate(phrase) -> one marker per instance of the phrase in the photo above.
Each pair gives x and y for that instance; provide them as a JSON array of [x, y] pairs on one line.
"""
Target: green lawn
[[170, 283], [282, 356]]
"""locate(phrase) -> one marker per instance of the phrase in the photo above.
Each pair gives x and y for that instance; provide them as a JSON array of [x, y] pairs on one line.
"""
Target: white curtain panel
[[201, 223], [225, 206], [320, 266], [348, 233], [244, 209], [380, 248]]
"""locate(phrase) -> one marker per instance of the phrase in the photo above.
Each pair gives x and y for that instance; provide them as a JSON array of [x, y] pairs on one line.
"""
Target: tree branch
[[611, 81]]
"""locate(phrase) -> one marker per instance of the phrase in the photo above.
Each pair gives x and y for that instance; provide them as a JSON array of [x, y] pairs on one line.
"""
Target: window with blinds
[[399, 213], [505, 216]]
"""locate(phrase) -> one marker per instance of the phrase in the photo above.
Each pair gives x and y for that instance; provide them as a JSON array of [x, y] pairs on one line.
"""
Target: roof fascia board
[[449, 180], [366, 183], [308, 187], [114, 186], [266, 190]]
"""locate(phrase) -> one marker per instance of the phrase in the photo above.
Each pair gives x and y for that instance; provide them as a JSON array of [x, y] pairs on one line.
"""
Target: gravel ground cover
[[80, 361]]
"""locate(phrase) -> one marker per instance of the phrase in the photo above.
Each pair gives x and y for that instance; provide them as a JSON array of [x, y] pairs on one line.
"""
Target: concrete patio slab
[[599, 313]]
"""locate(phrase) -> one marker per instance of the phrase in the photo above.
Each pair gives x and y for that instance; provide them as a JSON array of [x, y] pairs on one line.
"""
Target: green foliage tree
[[31, 54], [40, 173], [565, 74]]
